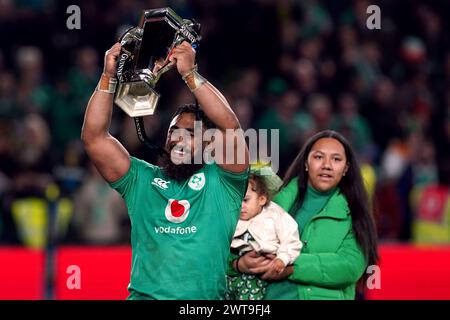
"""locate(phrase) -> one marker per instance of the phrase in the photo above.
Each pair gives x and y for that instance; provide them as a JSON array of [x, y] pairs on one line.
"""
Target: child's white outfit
[[271, 231]]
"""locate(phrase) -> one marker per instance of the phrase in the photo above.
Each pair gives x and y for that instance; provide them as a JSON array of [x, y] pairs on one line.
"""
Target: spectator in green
[[352, 124]]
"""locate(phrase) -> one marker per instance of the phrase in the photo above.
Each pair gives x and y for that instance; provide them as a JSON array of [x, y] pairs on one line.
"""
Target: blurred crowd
[[299, 66]]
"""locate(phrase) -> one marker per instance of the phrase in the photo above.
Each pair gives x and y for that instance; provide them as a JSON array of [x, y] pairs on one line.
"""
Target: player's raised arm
[[106, 152], [213, 103]]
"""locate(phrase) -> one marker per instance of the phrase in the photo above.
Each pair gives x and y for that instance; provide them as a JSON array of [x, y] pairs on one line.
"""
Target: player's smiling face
[[180, 141], [326, 164]]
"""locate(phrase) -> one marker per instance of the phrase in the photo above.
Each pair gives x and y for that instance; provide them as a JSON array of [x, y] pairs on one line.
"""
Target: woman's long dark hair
[[351, 185]]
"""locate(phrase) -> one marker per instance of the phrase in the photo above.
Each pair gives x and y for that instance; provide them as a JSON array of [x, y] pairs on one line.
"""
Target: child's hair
[[257, 184]]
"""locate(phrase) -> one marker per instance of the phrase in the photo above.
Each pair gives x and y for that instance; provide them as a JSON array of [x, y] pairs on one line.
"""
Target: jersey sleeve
[[235, 184], [127, 185]]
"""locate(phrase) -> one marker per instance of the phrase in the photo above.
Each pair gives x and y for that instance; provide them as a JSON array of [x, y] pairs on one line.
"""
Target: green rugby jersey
[[180, 232]]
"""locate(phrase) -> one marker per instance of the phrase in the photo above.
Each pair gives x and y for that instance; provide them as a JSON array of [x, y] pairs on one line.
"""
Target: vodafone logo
[[177, 210]]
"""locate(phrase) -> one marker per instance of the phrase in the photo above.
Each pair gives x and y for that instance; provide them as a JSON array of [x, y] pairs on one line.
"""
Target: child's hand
[[278, 265]]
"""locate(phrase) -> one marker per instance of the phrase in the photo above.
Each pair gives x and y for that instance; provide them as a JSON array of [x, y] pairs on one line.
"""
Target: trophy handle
[[140, 129]]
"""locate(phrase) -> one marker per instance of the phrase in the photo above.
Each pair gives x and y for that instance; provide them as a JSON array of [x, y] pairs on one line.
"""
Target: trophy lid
[[189, 28], [162, 29]]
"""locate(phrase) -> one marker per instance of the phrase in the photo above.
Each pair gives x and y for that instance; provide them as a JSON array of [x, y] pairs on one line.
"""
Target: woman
[[323, 190]]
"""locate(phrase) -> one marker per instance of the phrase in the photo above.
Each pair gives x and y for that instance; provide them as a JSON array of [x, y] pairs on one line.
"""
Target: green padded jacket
[[331, 261]]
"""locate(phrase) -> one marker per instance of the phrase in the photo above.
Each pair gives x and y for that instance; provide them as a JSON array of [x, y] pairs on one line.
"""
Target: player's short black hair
[[199, 114]]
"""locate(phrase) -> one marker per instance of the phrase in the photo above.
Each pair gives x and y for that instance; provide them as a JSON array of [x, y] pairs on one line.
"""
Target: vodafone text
[[176, 230]]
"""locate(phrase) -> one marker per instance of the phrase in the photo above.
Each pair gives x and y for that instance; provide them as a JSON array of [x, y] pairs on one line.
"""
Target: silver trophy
[[144, 57]]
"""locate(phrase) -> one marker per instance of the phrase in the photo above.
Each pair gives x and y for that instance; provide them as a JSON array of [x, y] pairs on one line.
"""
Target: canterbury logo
[[163, 184]]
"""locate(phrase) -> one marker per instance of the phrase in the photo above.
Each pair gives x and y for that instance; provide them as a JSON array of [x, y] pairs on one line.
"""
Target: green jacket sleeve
[[331, 269], [287, 196]]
